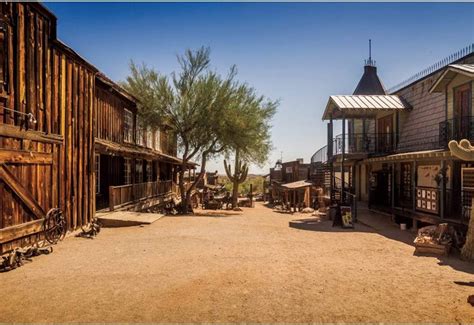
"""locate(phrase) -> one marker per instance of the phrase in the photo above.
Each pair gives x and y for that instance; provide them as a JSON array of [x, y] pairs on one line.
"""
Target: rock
[[307, 210], [470, 300]]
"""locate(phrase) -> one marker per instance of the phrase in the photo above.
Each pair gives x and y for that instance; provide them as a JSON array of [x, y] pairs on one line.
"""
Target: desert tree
[[201, 108]]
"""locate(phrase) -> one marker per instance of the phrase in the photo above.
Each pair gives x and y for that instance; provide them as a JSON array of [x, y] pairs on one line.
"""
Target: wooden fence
[[125, 194]]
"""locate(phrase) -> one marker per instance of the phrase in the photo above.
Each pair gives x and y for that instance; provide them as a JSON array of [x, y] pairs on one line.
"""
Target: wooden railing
[[175, 188], [125, 194]]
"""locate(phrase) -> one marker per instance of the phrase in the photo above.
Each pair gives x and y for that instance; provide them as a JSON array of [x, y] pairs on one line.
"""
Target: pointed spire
[[370, 62]]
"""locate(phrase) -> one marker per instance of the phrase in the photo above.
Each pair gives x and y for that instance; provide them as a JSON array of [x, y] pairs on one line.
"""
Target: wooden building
[[56, 112], [392, 153], [290, 185]]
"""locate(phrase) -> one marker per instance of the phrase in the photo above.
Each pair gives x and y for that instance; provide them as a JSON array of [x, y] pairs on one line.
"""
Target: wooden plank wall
[[110, 114], [58, 89]]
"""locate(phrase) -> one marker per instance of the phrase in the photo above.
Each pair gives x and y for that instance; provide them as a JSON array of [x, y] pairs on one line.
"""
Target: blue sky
[[300, 53]]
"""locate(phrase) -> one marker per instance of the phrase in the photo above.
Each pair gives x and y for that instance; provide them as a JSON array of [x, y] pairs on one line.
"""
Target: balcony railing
[[372, 143], [456, 129], [125, 194]]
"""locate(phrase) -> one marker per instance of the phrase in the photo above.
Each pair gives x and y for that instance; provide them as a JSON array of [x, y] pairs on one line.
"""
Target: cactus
[[239, 176], [463, 150]]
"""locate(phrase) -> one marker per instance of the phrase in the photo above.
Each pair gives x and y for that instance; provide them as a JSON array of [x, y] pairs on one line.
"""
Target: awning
[[450, 73], [110, 147], [297, 185], [357, 106], [413, 155]]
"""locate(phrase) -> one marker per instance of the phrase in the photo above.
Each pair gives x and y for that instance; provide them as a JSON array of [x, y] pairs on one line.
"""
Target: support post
[[442, 196], [343, 157], [111, 198], [413, 185], [392, 186]]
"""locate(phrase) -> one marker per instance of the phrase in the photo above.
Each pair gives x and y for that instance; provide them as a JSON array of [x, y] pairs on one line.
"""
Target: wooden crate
[[427, 248]]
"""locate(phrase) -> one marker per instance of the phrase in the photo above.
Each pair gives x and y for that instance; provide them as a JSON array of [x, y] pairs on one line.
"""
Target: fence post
[[111, 198]]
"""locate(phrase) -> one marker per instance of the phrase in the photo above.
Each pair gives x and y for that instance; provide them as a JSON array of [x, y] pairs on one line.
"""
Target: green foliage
[[209, 114], [244, 188]]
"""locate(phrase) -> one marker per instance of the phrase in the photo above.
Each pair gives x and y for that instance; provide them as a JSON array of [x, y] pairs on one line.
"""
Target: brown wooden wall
[[110, 114], [51, 160]]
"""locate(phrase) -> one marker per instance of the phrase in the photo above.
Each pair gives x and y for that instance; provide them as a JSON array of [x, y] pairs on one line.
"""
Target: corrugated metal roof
[[469, 68], [450, 73], [297, 185], [353, 105]]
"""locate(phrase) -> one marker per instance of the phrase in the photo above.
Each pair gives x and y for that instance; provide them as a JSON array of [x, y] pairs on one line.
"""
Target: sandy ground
[[248, 267]]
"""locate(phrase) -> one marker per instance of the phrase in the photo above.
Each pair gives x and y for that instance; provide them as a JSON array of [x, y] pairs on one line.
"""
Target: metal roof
[[450, 73], [361, 105], [370, 83], [297, 185]]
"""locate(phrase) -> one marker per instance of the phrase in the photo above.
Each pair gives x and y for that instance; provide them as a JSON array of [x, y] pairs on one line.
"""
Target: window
[[138, 171], [149, 171], [128, 126], [127, 171], [140, 136], [157, 145], [149, 138], [97, 174]]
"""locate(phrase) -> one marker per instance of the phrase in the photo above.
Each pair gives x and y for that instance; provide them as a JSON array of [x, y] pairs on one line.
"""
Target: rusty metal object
[[93, 231], [18, 256], [54, 226]]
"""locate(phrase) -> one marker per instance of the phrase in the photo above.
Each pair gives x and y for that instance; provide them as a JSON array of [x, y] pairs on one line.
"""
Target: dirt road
[[248, 267]]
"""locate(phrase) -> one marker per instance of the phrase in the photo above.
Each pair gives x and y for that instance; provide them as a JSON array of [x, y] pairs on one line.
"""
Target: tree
[[239, 176], [201, 108], [463, 150]]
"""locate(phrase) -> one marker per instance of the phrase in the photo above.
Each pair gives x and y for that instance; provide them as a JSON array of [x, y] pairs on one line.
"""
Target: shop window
[[127, 171], [139, 171], [149, 171]]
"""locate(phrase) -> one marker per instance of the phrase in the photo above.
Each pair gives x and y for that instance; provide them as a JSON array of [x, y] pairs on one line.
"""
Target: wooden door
[[462, 112], [385, 133]]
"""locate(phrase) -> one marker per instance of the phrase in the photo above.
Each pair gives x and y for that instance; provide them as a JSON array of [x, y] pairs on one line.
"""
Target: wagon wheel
[[54, 226]]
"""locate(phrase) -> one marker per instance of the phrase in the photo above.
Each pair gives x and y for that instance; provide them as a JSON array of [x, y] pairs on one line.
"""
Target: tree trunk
[[182, 189], [467, 251]]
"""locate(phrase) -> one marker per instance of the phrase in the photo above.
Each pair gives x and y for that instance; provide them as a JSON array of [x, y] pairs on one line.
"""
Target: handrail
[[125, 194]]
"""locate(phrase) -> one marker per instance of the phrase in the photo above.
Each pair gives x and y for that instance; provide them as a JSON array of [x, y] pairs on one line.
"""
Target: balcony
[[456, 129], [358, 143]]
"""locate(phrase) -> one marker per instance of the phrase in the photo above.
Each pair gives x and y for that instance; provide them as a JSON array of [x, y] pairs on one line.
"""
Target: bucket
[[403, 226]]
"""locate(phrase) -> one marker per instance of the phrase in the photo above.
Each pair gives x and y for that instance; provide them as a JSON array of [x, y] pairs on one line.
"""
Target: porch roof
[[449, 74], [356, 106], [132, 151], [297, 185]]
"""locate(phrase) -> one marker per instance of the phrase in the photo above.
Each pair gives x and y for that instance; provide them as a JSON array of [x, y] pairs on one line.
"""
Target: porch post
[[413, 185], [442, 192], [343, 156], [392, 187]]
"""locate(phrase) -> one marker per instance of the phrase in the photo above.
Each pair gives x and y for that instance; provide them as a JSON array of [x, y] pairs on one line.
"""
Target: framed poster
[[346, 215], [427, 200]]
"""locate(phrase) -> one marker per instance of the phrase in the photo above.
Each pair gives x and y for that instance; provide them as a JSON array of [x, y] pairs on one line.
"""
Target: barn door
[[27, 192]]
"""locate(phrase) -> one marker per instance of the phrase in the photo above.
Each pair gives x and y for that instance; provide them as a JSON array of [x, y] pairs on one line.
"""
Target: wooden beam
[[25, 157], [11, 131], [14, 232], [26, 197]]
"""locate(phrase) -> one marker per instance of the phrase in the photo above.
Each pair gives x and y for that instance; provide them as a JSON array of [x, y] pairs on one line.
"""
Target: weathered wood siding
[[419, 128], [49, 81]]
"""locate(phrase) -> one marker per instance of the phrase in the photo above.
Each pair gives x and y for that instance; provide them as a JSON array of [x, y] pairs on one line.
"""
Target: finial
[[370, 62], [370, 49]]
